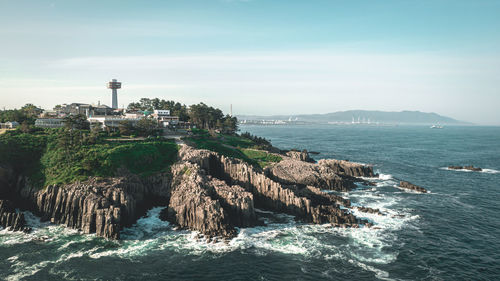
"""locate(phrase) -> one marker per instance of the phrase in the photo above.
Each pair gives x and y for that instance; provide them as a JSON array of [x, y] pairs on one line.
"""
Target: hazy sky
[[262, 56]]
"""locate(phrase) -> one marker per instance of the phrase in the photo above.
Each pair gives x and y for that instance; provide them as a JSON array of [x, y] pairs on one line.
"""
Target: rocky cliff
[[308, 203], [204, 191]]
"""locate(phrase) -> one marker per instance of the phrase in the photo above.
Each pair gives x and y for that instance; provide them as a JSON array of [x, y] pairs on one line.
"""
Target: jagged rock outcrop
[[11, 219], [343, 167], [290, 171], [308, 203], [407, 185], [300, 155], [200, 202], [470, 168]]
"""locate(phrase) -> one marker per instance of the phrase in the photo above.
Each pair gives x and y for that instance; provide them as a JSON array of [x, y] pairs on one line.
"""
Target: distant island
[[372, 117]]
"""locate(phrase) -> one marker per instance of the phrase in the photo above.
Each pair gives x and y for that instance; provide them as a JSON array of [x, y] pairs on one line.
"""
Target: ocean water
[[451, 233]]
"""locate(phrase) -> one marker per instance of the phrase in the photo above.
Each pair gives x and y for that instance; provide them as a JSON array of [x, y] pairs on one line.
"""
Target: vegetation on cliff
[[246, 147], [57, 156]]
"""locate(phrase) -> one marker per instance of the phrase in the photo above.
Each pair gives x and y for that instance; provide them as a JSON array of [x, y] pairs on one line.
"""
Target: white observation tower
[[114, 86]]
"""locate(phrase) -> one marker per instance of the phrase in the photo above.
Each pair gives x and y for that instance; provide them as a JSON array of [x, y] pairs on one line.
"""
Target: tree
[[125, 128], [78, 122], [146, 127]]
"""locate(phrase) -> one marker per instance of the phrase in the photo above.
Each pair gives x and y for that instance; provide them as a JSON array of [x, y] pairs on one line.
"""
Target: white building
[[111, 121], [9, 125], [49, 122], [161, 112]]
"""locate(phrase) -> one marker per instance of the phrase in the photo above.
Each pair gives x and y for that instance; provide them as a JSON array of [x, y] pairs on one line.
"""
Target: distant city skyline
[[263, 57]]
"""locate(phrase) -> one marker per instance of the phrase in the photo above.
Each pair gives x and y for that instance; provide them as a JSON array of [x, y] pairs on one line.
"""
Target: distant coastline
[[354, 117]]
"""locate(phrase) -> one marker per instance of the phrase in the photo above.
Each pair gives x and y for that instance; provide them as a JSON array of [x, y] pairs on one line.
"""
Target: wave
[[367, 248], [384, 176]]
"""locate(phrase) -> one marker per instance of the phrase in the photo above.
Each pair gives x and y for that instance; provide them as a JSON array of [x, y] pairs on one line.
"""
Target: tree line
[[200, 115]]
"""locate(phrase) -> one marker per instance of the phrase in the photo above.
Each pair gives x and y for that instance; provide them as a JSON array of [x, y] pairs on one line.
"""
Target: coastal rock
[[470, 168], [300, 155], [192, 205], [290, 171], [369, 210], [11, 219], [407, 185], [94, 206], [343, 167], [307, 203]]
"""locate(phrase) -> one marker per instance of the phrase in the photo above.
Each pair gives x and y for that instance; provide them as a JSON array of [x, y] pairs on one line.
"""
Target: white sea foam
[[490, 171], [384, 176], [364, 247]]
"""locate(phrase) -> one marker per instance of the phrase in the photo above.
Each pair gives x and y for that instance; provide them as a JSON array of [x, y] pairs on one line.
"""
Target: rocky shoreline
[[204, 191]]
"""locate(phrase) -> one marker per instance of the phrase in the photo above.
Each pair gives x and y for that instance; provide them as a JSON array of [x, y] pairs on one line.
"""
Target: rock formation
[[290, 171], [300, 155], [204, 191], [470, 168], [307, 203], [208, 205], [407, 185], [343, 167], [11, 219]]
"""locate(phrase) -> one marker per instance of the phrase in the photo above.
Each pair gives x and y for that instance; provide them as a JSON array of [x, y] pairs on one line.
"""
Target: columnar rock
[[237, 202], [192, 205], [11, 219], [343, 167], [95, 206], [307, 203], [407, 185]]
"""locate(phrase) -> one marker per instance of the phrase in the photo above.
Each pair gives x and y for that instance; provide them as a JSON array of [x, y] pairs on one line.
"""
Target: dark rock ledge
[[410, 186], [470, 168]]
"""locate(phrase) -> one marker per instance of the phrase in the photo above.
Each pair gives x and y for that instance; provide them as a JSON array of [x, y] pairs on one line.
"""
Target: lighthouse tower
[[114, 86]]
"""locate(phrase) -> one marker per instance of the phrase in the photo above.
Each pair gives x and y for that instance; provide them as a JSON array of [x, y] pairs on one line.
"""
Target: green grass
[[233, 146], [41, 157], [104, 160]]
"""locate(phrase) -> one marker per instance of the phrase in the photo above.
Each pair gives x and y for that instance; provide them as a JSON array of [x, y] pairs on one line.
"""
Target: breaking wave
[[363, 247]]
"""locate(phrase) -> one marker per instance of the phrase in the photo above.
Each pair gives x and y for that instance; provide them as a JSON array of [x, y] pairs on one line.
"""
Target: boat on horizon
[[436, 127]]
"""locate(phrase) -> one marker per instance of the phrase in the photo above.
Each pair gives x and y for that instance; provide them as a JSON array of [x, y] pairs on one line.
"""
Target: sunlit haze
[[263, 57]]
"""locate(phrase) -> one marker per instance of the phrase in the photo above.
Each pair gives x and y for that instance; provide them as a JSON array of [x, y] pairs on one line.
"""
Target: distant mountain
[[364, 116]]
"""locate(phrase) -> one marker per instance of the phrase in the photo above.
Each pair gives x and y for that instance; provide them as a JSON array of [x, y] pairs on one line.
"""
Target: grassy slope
[[233, 146], [45, 162]]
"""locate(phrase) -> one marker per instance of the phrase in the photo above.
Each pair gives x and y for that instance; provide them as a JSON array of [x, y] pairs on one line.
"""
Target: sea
[[450, 233]]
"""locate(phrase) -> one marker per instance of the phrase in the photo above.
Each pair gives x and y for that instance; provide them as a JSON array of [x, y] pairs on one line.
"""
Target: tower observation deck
[[114, 85]]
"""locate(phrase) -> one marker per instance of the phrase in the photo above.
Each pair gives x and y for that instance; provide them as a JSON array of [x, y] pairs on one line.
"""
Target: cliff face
[[94, 206], [204, 191]]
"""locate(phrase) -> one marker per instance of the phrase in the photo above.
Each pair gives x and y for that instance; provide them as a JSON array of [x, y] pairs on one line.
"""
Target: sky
[[264, 57]]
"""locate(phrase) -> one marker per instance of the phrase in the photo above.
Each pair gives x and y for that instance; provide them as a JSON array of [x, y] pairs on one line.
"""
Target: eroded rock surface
[[210, 206], [408, 185], [300, 155], [308, 203], [290, 171], [343, 167]]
